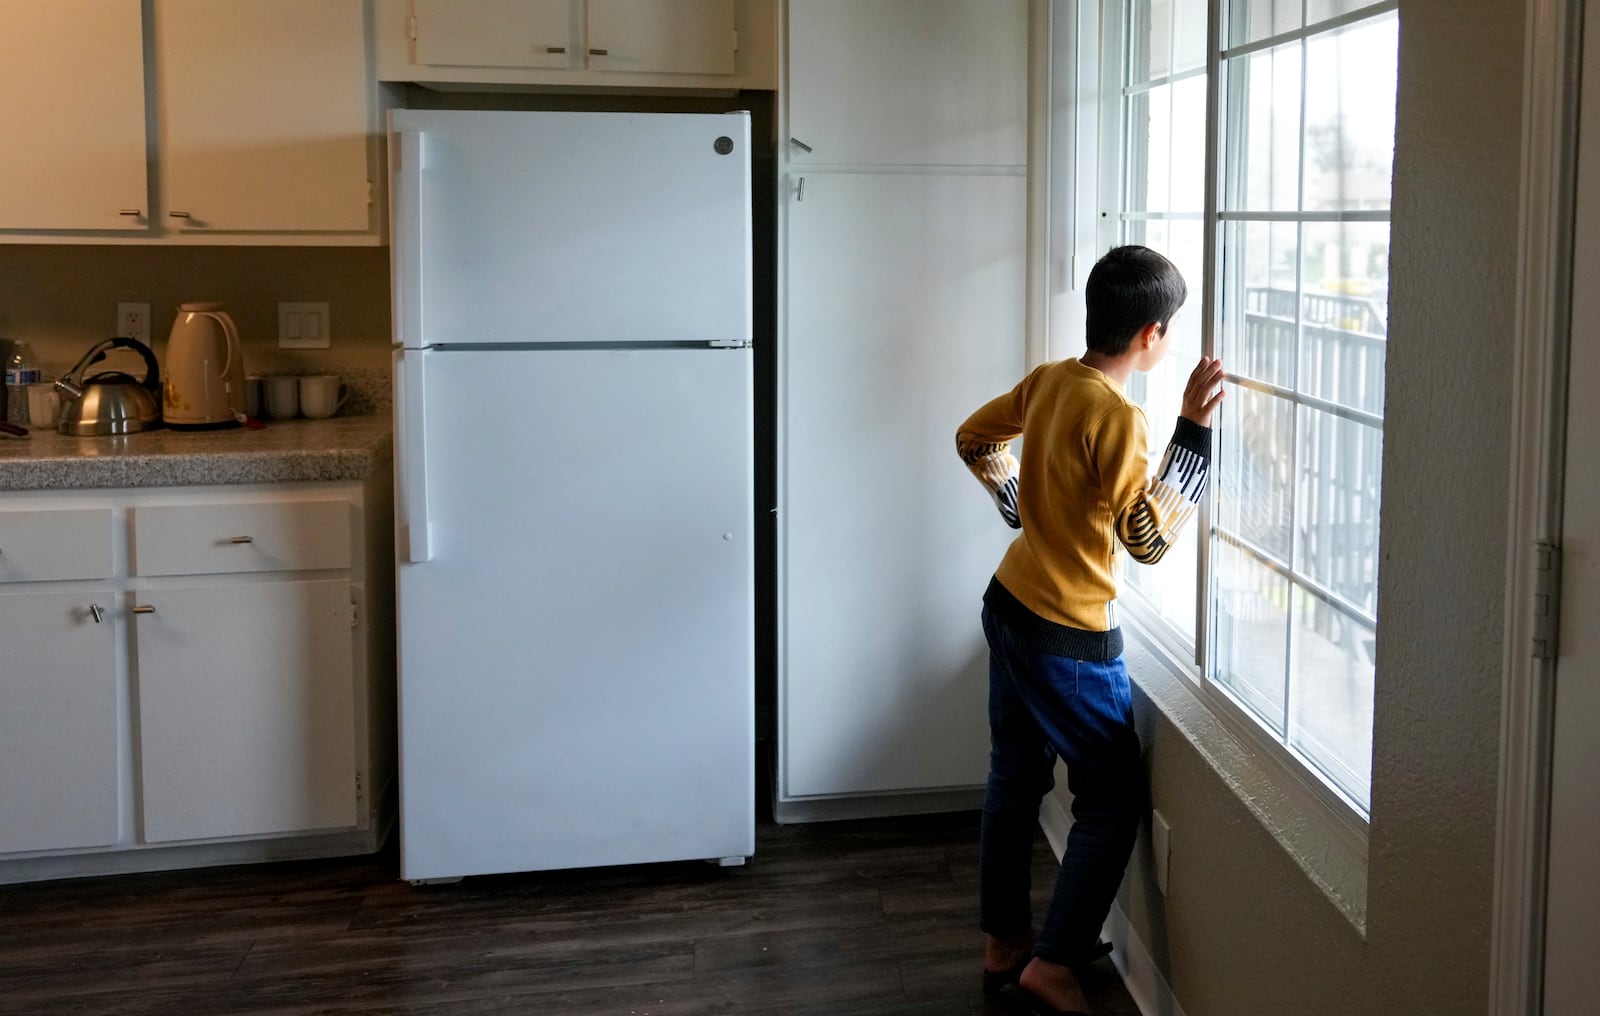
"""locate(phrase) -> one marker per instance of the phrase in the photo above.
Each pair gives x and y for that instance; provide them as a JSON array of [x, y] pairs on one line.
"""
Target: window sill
[[1327, 842]]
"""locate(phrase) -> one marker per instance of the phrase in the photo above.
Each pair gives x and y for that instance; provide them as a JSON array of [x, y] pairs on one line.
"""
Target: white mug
[[43, 407], [321, 395], [281, 393]]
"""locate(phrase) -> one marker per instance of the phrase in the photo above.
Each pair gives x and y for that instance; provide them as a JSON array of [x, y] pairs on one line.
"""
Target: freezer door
[[519, 227], [576, 654]]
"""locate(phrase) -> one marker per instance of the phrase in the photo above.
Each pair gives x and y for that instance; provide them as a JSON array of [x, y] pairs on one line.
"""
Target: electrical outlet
[[303, 326], [1160, 848], [133, 321]]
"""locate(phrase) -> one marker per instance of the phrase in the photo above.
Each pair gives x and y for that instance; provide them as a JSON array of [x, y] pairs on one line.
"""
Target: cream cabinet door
[[246, 708], [58, 721], [265, 113], [672, 37], [493, 33], [908, 82], [904, 313], [72, 78]]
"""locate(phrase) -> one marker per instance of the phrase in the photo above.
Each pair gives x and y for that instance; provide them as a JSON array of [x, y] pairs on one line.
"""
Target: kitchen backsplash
[[63, 299]]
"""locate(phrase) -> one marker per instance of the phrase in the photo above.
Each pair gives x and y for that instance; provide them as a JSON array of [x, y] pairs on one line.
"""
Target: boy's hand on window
[[1204, 391]]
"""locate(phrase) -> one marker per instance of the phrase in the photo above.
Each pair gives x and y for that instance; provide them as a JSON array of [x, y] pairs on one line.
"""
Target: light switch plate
[[303, 326]]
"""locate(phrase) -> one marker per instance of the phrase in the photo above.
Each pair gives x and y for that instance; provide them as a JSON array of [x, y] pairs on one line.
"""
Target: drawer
[[257, 536], [47, 546]]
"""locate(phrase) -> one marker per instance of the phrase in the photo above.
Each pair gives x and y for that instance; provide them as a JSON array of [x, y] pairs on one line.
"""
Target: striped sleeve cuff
[[996, 468]]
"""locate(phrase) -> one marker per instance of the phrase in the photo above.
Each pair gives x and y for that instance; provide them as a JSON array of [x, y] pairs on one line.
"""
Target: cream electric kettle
[[205, 370]]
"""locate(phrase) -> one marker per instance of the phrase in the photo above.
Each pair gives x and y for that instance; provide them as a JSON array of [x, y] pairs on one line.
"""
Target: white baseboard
[[1149, 989]]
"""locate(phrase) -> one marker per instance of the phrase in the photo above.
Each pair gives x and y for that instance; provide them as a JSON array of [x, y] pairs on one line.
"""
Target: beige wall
[[1243, 932], [63, 299]]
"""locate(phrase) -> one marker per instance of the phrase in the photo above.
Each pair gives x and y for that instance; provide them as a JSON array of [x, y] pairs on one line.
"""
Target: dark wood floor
[[872, 918]]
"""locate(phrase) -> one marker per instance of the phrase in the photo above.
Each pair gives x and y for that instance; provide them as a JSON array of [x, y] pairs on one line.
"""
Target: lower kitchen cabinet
[[58, 720], [246, 709], [198, 675]]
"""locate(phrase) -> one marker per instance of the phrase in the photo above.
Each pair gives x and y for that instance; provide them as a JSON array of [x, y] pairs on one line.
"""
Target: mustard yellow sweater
[[1082, 488]]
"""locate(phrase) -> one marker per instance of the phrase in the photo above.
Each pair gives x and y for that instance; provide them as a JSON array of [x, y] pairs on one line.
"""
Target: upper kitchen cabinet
[[266, 118], [878, 83], [259, 121], [72, 113], [580, 45]]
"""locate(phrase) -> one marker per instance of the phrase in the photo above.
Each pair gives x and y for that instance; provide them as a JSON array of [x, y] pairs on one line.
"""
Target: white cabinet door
[[493, 33], [72, 74], [246, 709], [265, 119], [904, 313], [676, 37], [58, 721], [908, 82]]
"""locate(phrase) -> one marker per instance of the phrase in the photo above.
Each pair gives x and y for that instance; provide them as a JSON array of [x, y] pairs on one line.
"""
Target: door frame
[[1538, 448]]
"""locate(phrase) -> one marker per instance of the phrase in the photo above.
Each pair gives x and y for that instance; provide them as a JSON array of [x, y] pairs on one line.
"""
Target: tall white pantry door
[[1571, 977], [904, 255]]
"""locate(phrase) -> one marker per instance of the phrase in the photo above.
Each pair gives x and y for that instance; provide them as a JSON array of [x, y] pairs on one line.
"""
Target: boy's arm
[[984, 444], [1151, 511]]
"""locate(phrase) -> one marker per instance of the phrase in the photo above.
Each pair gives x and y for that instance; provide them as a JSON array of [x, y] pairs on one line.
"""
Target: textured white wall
[[1243, 932]]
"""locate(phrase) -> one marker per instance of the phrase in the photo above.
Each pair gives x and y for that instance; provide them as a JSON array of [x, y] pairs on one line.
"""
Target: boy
[[1057, 683]]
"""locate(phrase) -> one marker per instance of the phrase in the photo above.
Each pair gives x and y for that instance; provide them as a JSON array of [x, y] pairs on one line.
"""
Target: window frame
[[1112, 51]]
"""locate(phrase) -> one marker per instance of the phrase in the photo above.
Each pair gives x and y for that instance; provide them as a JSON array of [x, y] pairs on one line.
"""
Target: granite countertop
[[289, 451]]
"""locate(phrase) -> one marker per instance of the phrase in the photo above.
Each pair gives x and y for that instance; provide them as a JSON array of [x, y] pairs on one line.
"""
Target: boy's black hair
[[1129, 288]]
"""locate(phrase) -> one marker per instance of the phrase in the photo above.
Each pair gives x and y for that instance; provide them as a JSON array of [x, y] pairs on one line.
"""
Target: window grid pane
[[1163, 110], [1300, 302], [1306, 132]]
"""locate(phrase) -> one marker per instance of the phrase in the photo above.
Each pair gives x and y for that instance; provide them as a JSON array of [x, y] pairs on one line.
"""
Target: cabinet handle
[[179, 215], [98, 612], [555, 49], [134, 212], [599, 52], [243, 539], [801, 195], [800, 144], [144, 608]]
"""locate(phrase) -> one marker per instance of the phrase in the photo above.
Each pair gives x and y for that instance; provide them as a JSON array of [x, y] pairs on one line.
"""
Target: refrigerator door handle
[[411, 460], [406, 217]]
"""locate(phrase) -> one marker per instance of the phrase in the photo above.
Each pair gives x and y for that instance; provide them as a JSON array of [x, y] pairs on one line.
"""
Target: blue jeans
[[1041, 707]]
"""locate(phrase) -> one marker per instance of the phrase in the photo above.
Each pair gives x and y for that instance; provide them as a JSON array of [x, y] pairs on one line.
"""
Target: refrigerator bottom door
[[576, 657]]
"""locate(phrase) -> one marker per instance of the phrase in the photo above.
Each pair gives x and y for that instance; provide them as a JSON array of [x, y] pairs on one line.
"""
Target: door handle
[[800, 144], [411, 460], [143, 608], [97, 612]]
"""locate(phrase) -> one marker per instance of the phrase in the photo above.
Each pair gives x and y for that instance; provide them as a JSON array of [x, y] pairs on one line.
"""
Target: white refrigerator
[[574, 489]]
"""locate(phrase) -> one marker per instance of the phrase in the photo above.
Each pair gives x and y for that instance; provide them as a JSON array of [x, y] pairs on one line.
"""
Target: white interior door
[[1571, 976], [576, 655], [904, 314]]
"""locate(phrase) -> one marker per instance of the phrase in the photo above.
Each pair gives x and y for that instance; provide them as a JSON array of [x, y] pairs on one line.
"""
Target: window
[[1261, 167]]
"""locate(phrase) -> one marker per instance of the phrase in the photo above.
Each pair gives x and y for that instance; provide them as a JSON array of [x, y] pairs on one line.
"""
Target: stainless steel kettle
[[110, 402]]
